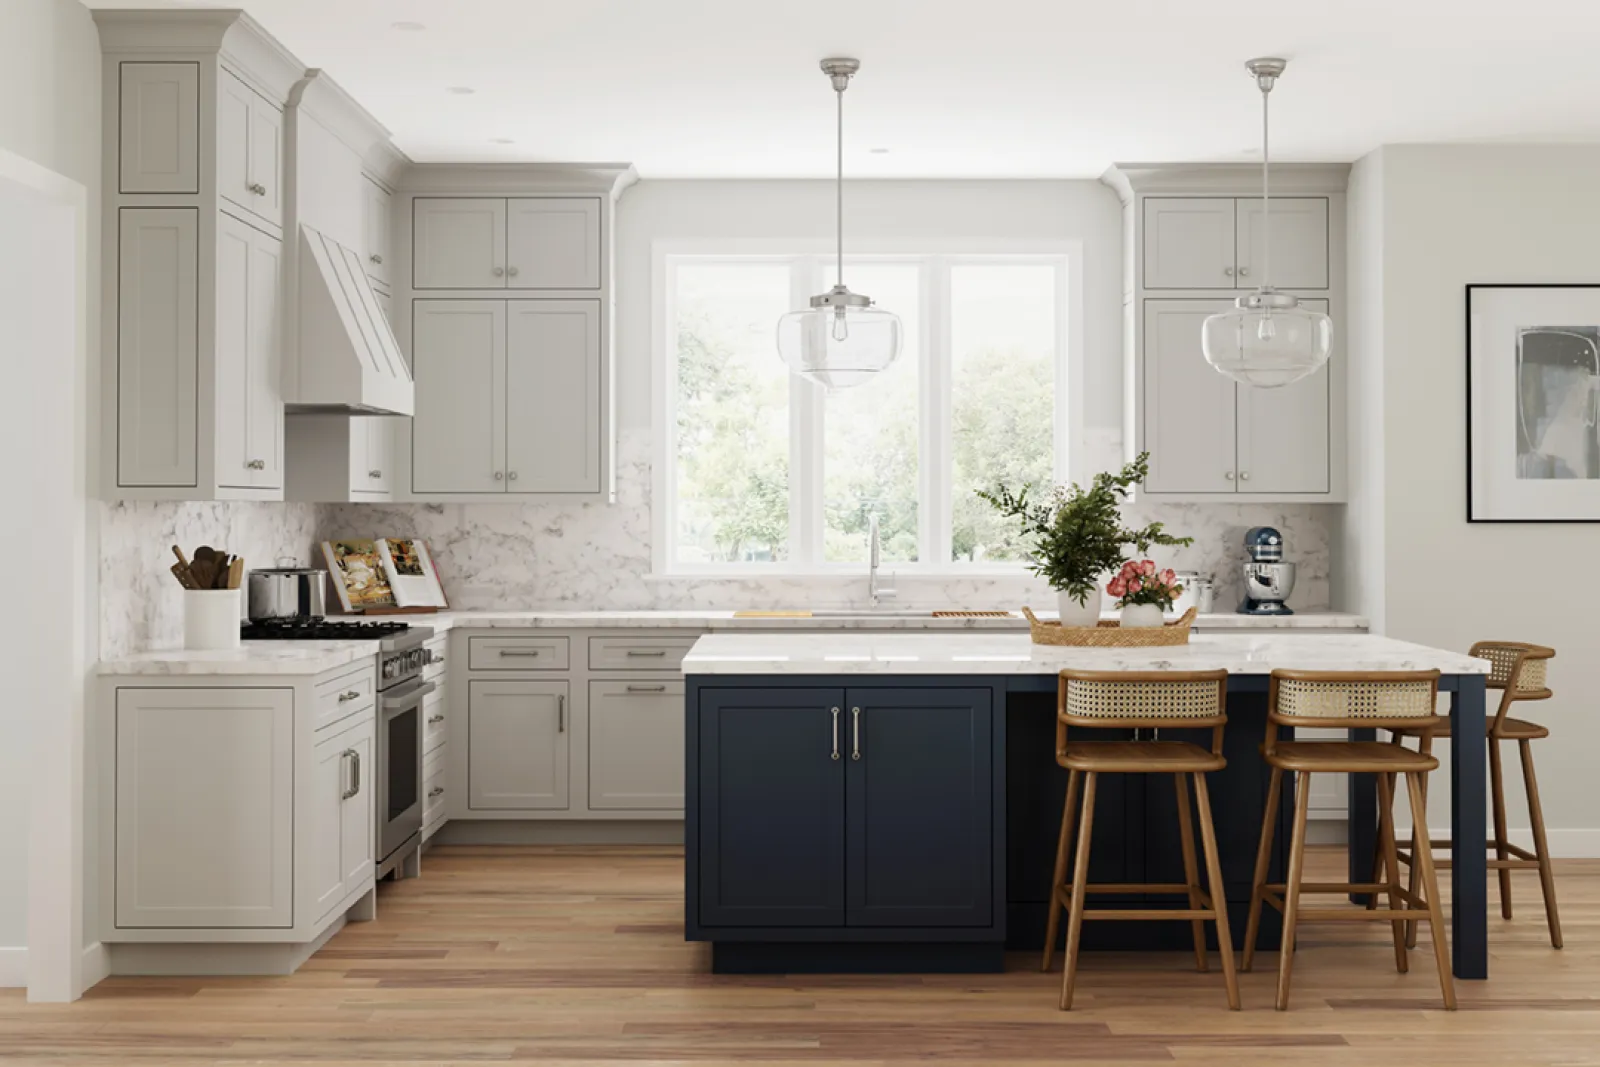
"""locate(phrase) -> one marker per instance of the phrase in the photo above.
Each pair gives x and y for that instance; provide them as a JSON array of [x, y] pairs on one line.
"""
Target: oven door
[[399, 799]]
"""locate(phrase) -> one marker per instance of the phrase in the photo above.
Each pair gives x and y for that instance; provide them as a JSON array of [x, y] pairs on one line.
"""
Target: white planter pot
[[1141, 616], [1075, 614]]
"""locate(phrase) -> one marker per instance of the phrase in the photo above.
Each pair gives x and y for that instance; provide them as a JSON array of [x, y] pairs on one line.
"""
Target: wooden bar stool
[[1138, 701], [1352, 700], [1518, 670]]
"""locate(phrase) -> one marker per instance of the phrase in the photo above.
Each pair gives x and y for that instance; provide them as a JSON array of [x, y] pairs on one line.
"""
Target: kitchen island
[[890, 802]]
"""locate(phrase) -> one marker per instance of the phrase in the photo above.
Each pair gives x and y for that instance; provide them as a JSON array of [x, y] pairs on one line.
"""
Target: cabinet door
[[517, 741], [159, 142], [266, 160], [458, 432], [205, 808], [553, 408], [357, 816], [263, 395], [331, 779], [553, 243], [157, 346], [234, 440], [636, 746], [919, 803], [1189, 243], [458, 243], [371, 454], [1299, 242], [376, 228], [771, 819], [1284, 434], [1188, 406]]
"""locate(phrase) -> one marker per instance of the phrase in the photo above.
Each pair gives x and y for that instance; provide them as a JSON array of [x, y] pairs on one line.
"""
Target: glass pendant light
[[842, 339], [1267, 339]]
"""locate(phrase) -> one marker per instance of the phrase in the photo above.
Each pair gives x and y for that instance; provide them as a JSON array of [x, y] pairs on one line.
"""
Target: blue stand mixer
[[1268, 580]]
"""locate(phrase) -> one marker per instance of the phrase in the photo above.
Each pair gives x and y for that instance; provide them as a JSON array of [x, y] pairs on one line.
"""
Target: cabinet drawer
[[517, 653], [638, 653], [433, 788], [434, 722], [437, 648], [344, 694]]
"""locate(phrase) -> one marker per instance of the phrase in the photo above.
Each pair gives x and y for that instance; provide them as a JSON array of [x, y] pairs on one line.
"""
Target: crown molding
[[1229, 179], [319, 96], [251, 51], [608, 179]]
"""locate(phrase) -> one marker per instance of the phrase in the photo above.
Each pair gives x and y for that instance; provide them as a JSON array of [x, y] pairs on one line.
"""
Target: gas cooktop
[[319, 630]]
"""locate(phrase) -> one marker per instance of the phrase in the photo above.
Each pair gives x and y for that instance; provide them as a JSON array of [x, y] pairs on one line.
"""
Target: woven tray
[[1110, 633]]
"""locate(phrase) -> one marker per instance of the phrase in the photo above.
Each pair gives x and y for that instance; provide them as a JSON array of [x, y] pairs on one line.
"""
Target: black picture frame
[[1471, 288]]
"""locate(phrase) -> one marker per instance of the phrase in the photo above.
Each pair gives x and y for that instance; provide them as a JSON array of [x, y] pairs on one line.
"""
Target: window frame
[[808, 261]]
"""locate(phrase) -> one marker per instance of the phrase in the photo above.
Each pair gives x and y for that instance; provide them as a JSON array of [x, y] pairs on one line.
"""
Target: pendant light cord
[[839, 186], [1266, 193]]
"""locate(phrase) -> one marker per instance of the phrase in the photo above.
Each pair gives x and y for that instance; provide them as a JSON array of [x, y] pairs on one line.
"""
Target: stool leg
[[1291, 892], [1269, 826], [1414, 881], [1386, 845], [1080, 882], [1547, 878], [1497, 797], [1191, 871], [1423, 858], [1219, 894], [1059, 879]]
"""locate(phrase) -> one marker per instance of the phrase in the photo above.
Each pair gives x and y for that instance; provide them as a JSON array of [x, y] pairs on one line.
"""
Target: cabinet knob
[[511, 271], [1244, 476], [374, 474], [1228, 271], [1228, 475], [1244, 272], [258, 188], [512, 476], [375, 258], [498, 475], [256, 465], [499, 272], [434, 720]]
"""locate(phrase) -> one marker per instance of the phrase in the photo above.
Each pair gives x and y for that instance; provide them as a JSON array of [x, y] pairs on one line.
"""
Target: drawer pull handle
[[647, 689], [436, 791], [656, 654], [523, 653], [835, 733], [349, 694], [434, 720], [855, 733]]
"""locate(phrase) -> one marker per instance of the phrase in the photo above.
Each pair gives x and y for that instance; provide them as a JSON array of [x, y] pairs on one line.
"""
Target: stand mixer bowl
[[1266, 587]]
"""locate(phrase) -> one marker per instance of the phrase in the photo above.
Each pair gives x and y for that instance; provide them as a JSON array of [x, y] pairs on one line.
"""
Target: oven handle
[[406, 695]]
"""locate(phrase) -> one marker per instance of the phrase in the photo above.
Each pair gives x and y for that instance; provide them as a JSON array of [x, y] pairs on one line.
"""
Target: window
[[761, 470]]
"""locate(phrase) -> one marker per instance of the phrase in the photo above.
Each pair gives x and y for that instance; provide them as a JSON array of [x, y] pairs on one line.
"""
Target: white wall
[[50, 86], [1453, 215]]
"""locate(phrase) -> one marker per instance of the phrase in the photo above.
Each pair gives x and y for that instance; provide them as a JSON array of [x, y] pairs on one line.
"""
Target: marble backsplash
[[597, 557], [141, 605]]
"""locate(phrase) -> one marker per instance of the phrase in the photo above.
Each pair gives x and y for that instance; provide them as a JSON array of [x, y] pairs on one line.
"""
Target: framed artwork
[[1533, 403]]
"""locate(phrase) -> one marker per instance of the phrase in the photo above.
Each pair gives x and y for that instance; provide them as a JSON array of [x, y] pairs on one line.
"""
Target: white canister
[[210, 619]]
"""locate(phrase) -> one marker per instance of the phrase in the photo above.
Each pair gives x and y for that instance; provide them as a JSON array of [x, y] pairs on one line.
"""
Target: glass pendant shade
[[838, 347], [1267, 347]]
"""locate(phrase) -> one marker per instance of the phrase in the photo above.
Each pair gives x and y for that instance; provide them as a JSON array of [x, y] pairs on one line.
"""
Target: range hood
[[348, 359]]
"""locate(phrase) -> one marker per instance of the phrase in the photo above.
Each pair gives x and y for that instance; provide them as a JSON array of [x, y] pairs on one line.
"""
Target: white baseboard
[[96, 965], [13, 968]]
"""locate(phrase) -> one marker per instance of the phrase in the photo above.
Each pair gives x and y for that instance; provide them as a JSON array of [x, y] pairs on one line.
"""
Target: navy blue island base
[[905, 823]]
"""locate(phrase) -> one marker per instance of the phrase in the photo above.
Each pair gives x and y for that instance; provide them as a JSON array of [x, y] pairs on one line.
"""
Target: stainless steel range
[[401, 658]]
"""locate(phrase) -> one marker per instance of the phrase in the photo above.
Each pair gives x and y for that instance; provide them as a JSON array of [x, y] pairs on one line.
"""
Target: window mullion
[[935, 514]]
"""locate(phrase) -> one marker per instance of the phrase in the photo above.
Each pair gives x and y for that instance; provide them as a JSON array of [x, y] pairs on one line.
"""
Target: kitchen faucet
[[874, 561]]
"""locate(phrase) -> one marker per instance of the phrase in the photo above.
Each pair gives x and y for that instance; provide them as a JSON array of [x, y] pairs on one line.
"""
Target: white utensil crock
[[210, 619]]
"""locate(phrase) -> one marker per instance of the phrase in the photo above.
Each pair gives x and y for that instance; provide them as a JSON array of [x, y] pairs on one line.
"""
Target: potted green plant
[[1077, 535]]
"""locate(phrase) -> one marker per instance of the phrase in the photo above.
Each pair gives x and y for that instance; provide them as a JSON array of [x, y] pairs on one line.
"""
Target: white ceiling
[[951, 88]]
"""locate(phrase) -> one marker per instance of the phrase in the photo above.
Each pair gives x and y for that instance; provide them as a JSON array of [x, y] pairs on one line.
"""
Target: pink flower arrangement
[[1139, 582]]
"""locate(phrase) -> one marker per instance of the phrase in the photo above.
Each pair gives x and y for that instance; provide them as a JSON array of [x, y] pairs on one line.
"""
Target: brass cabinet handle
[[855, 733], [835, 732]]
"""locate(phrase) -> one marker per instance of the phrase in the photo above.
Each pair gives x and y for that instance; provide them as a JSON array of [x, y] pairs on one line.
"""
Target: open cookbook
[[383, 574]]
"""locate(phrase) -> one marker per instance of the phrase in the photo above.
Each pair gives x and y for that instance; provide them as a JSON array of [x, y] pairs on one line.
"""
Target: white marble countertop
[[1011, 654], [314, 657]]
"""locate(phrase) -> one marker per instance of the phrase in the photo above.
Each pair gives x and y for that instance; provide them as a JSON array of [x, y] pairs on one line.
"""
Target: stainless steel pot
[[287, 592]]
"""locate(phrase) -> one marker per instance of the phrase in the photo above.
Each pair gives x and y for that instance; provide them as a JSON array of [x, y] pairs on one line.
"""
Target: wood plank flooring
[[568, 955]]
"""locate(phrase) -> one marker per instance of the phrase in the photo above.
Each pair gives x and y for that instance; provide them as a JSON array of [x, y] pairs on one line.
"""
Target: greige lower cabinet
[[517, 745], [636, 746], [344, 824]]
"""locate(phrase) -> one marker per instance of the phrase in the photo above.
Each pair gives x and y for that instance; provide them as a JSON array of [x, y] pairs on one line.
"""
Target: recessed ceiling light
[[407, 27], [878, 151], [461, 90], [501, 140]]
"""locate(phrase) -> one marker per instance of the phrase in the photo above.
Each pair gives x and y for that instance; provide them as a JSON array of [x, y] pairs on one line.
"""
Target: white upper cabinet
[[553, 243], [158, 127], [552, 396], [249, 150], [157, 347], [1299, 242], [1189, 243], [459, 243], [458, 361], [377, 252], [249, 431], [1188, 406], [1284, 434]]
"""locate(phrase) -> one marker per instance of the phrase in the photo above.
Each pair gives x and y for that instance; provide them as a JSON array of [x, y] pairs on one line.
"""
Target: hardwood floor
[[575, 955]]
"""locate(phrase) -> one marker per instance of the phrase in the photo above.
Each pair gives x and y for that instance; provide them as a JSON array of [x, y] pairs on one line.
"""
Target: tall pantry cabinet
[[194, 255], [504, 302]]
